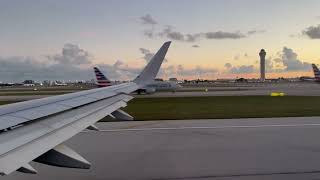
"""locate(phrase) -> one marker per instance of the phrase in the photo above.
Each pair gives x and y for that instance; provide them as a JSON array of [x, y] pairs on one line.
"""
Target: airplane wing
[[35, 130]]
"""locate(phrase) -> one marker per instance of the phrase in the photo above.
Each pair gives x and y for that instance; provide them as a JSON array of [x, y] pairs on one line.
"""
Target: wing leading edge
[[35, 130]]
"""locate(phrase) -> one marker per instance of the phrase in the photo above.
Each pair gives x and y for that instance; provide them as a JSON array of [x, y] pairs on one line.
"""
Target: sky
[[211, 39]]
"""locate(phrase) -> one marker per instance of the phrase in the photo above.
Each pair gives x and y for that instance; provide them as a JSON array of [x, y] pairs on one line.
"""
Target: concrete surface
[[271, 148]]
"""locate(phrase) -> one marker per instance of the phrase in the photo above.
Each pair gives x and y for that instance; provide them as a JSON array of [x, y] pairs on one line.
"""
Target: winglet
[[315, 69], [151, 70], [102, 80]]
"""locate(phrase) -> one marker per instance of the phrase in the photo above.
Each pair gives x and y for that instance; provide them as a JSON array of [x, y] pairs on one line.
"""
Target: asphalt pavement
[[266, 148]]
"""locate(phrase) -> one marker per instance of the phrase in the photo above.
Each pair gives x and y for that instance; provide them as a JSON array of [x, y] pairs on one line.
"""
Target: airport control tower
[[262, 55]]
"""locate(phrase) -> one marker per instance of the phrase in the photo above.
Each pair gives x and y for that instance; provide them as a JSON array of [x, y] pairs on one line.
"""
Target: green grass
[[220, 107], [209, 89], [32, 93], [223, 107], [7, 102]]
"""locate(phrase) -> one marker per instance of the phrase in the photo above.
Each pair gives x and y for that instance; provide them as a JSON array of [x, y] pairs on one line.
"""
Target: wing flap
[[122, 115], [10, 121], [63, 156], [100, 95], [77, 101], [93, 128], [42, 111], [27, 169], [20, 113]]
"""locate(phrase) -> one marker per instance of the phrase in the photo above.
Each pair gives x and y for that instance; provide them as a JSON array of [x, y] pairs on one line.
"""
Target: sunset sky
[[64, 39]]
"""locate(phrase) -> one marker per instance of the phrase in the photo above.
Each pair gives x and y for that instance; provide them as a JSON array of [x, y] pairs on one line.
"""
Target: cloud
[[291, 62], [72, 54], [192, 37], [236, 57], [277, 60], [17, 69], [286, 60], [150, 22], [122, 71], [224, 35], [181, 72], [269, 65], [195, 46], [169, 32], [64, 66], [173, 35], [119, 70], [242, 69], [239, 56], [228, 65], [313, 32], [239, 69], [201, 71], [149, 33], [148, 19], [252, 32], [148, 54], [72, 63]]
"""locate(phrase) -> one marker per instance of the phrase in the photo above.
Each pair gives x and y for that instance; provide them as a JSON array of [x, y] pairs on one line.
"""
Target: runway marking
[[205, 127], [243, 175]]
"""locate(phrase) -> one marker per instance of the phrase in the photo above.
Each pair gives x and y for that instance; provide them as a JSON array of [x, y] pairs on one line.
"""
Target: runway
[[266, 148], [291, 89], [242, 89]]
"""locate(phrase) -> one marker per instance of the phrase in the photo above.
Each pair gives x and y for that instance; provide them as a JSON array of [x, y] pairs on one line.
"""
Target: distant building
[[28, 83], [46, 83], [173, 79], [242, 80], [262, 55], [158, 79]]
